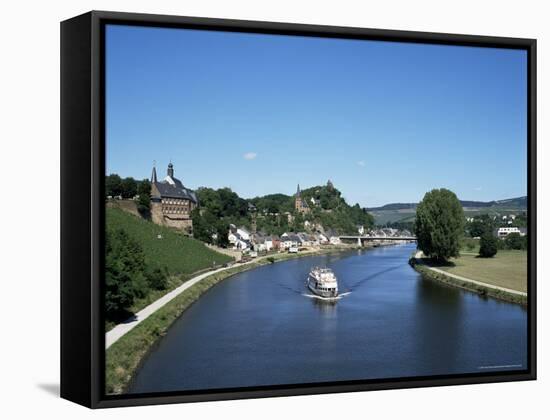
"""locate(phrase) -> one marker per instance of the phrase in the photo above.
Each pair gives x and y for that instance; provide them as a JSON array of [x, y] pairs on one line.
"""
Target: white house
[[260, 247], [361, 229], [243, 233], [285, 243], [322, 238], [232, 238], [378, 233], [304, 239], [242, 245], [335, 240], [502, 232], [290, 240], [239, 238]]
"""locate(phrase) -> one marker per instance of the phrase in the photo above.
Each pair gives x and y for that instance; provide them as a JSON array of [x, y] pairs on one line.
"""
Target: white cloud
[[361, 163], [250, 155]]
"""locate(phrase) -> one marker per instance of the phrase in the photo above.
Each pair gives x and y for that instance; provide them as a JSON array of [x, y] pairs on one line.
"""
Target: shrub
[[488, 246], [157, 278], [515, 241]]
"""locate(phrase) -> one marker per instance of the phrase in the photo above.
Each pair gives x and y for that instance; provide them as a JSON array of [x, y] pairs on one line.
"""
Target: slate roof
[[177, 190], [294, 238]]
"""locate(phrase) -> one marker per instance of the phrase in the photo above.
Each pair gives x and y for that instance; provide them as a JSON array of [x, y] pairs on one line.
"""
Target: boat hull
[[321, 293]]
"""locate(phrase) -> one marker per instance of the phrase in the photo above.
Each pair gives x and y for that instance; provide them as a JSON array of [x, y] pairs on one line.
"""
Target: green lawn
[[175, 251], [506, 269]]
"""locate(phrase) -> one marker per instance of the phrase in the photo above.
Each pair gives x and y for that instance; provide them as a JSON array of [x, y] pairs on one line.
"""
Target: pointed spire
[[298, 193], [154, 174]]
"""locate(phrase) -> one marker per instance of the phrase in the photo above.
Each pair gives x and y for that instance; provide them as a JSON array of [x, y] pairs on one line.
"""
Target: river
[[260, 327]]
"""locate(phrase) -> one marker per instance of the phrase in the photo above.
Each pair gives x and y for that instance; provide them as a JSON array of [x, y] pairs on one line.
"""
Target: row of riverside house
[[242, 239]]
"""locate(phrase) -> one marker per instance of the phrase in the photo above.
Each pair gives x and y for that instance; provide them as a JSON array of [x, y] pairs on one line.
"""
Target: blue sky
[[386, 122]]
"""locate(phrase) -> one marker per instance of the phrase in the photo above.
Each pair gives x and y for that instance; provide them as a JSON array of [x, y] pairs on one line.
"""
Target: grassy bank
[[483, 270], [182, 256], [122, 359], [153, 295], [506, 269], [165, 247]]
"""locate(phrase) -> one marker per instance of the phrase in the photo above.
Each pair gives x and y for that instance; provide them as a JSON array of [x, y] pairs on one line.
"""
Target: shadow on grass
[[123, 317], [432, 262]]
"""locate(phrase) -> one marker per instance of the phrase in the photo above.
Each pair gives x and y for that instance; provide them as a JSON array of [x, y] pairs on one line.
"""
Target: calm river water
[[261, 328]]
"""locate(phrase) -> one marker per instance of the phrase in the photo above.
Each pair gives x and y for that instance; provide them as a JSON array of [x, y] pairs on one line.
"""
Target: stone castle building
[[171, 202], [299, 203]]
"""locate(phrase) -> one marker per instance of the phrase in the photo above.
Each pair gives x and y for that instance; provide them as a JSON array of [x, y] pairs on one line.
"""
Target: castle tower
[[171, 202]]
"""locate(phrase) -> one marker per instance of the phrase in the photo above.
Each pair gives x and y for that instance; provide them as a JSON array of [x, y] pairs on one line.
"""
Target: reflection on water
[[324, 306], [263, 327]]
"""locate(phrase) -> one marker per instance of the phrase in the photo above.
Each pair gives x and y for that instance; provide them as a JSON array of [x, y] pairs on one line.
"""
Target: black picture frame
[[82, 206]]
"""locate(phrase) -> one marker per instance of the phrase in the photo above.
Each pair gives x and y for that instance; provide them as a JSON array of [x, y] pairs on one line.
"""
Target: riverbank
[[124, 355], [423, 266]]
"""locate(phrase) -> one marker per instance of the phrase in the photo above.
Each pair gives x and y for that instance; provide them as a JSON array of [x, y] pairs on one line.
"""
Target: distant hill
[[405, 212], [511, 203], [394, 206]]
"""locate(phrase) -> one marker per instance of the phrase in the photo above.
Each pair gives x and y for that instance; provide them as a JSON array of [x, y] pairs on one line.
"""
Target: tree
[[298, 223], [439, 224], [515, 241], [225, 207], [488, 245], [480, 225], [129, 187], [204, 225], [113, 185], [222, 235], [144, 192], [125, 273], [157, 278]]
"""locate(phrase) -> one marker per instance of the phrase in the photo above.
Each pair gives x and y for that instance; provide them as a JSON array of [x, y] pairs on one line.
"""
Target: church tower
[[299, 204]]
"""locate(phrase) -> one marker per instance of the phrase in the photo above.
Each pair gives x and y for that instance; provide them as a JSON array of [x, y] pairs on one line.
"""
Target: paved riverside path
[[113, 335], [419, 256]]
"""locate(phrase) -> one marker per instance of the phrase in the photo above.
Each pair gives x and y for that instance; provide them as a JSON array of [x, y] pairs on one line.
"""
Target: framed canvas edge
[[97, 162]]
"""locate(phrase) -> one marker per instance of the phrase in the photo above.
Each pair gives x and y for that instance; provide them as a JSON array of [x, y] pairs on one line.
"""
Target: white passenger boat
[[323, 282]]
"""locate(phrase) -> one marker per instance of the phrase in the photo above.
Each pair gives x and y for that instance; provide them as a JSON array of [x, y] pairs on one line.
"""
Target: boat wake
[[326, 299], [372, 276]]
